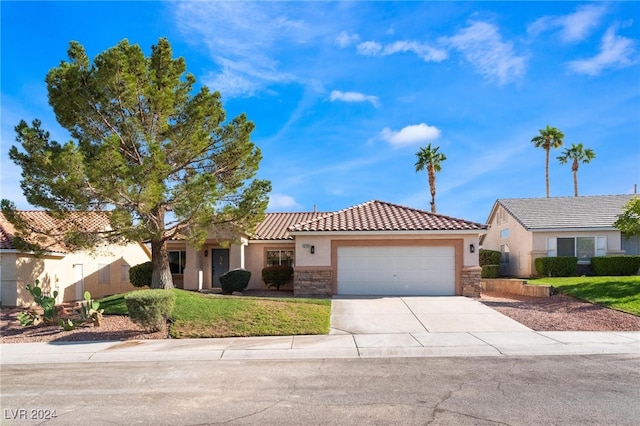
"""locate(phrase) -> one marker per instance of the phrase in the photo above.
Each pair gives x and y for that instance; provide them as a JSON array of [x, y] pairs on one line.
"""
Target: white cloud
[[240, 38], [410, 135], [282, 202], [482, 45], [426, 52], [337, 95], [346, 39], [370, 48], [615, 52], [573, 27]]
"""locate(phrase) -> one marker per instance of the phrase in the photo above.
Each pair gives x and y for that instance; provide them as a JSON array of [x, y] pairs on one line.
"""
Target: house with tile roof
[[375, 248], [102, 272], [524, 229]]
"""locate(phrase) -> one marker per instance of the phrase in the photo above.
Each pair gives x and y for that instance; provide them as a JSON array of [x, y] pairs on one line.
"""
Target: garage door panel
[[403, 270]]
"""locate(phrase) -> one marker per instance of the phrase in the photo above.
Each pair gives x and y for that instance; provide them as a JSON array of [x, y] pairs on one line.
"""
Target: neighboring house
[[524, 229], [375, 248], [71, 273]]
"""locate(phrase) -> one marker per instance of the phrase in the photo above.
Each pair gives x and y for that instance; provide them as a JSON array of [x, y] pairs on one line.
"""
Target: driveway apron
[[395, 315]]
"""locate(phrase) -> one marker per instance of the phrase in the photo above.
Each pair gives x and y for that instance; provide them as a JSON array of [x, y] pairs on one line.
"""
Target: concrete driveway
[[412, 314]]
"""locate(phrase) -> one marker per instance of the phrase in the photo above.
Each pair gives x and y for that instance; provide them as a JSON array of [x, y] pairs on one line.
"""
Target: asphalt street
[[559, 390]]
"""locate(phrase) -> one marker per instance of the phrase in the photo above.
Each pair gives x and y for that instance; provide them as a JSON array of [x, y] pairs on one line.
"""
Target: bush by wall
[[235, 280], [615, 265], [277, 275], [489, 257], [150, 308], [556, 266], [140, 275], [490, 271]]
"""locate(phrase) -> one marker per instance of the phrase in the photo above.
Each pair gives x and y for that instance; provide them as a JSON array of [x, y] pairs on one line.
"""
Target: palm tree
[[549, 137], [578, 155], [429, 158]]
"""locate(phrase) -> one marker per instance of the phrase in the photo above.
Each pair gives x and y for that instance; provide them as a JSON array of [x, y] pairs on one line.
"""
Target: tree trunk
[[546, 171], [574, 169], [432, 186], [161, 275]]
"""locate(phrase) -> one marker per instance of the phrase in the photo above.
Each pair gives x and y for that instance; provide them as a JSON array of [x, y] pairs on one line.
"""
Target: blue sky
[[343, 94]]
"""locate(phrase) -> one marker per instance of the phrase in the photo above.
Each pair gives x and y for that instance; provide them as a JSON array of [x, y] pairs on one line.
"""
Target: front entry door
[[219, 265]]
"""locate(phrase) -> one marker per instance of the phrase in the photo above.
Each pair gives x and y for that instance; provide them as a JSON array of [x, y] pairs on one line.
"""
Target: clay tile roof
[[275, 225], [382, 216], [597, 211], [44, 222]]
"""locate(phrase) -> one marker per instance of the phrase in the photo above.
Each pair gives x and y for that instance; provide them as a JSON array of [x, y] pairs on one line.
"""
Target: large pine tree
[[159, 157]]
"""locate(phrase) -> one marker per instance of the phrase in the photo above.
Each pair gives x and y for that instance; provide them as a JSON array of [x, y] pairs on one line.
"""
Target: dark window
[[177, 261]]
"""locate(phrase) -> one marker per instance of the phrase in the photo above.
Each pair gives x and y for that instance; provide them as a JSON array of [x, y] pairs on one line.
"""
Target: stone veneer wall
[[471, 284], [312, 282]]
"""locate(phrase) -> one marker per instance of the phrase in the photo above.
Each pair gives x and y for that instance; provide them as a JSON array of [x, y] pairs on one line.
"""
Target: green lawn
[[198, 315], [621, 293]]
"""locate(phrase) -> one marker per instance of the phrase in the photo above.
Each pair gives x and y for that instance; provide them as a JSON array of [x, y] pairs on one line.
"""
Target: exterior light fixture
[[313, 249], [472, 248], [206, 253]]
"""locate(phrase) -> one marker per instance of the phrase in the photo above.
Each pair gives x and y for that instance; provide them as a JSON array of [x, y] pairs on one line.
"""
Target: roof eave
[[395, 232]]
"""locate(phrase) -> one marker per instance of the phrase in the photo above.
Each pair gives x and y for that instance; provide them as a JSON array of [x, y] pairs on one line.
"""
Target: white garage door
[[387, 271]]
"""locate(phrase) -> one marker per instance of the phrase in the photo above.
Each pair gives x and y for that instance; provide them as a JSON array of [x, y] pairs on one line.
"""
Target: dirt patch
[[560, 313]]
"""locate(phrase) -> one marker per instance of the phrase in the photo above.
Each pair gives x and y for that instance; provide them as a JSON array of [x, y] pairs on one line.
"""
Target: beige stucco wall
[[322, 245], [59, 273], [519, 242], [256, 260]]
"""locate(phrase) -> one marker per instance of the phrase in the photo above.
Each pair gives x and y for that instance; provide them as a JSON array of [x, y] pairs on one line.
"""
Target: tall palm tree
[[429, 158], [549, 137], [578, 154]]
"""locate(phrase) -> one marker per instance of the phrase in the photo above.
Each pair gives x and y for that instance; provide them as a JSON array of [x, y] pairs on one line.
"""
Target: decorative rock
[[236, 293]]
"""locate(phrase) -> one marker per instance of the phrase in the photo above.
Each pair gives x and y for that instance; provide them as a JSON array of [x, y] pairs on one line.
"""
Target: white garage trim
[[397, 267]]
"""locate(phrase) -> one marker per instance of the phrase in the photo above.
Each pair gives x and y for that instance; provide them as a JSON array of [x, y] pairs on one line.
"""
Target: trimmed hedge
[[235, 280], [615, 265], [140, 275], [490, 271], [150, 308], [277, 275], [557, 266], [489, 257]]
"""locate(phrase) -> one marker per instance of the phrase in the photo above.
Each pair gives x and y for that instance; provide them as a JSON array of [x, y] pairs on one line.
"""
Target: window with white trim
[[584, 248], [280, 257], [504, 233], [504, 251]]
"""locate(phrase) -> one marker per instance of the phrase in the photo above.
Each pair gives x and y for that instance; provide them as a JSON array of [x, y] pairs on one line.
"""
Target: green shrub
[[235, 280], [557, 266], [150, 308], [489, 257], [490, 271], [615, 265], [277, 275], [140, 275]]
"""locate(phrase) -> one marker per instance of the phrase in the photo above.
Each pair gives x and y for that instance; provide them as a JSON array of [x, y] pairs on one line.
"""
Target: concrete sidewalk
[[420, 344]]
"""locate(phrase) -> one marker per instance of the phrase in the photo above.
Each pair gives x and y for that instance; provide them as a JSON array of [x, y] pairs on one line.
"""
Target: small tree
[[628, 222], [154, 154], [549, 137], [576, 154]]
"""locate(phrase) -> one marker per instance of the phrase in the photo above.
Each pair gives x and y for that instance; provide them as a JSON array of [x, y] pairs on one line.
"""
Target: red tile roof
[[275, 225], [381, 216], [42, 223]]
